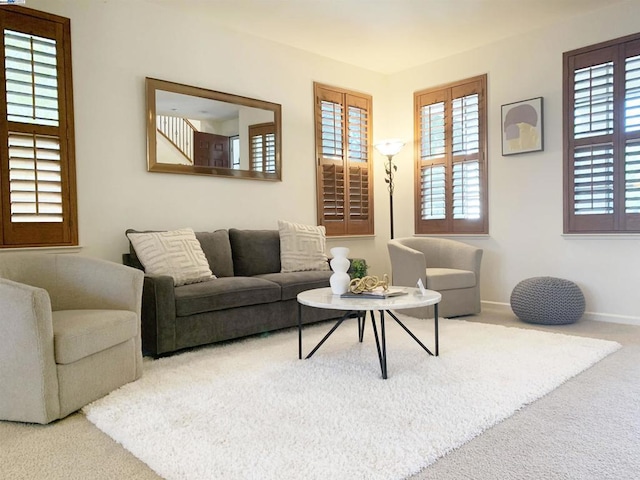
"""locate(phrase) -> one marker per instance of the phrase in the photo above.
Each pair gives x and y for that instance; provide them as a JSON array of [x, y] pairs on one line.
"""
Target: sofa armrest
[[158, 315], [407, 265], [27, 365]]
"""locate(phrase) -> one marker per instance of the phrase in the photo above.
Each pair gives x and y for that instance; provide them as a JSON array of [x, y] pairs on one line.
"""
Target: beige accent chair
[[69, 333], [446, 266]]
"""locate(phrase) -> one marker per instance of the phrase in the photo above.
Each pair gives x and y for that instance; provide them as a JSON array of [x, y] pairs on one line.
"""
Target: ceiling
[[385, 36]]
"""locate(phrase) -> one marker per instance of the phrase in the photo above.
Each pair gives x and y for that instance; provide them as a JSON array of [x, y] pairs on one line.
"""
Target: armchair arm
[[465, 257], [92, 283], [407, 265], [27, 365], [158, 315]]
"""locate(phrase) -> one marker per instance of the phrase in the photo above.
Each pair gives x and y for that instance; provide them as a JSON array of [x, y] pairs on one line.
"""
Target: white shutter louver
[[34, 178], [358, 148], [593, 100], [632, 177], [331, 114], [593, 180], [31, 79], [432, 148], [466, 165], [632, 94], [433, 192]]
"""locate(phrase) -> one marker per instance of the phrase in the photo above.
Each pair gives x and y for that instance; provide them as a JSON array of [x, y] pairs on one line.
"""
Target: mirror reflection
[[203, 132]]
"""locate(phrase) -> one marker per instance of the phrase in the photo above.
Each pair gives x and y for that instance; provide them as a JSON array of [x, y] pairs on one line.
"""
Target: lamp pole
[[389, 148], [390, 168]]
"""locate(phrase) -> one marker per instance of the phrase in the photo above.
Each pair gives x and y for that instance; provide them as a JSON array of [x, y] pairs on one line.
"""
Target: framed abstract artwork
[[522, 130]]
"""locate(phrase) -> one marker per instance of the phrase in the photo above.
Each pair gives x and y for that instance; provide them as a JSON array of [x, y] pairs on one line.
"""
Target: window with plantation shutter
[[451, 166], [602, 137], [262, 151], [344, 175], [37, 201]]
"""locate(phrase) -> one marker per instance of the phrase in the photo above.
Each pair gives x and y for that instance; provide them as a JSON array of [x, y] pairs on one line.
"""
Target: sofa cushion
[[302, 247], [176, 253], [255, 251], [449, 279], [295, 282], [223, 293], [80, 333], [217, 249]]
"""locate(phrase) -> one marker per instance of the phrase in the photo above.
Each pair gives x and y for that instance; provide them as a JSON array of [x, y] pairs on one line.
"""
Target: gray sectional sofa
[[249, 296]]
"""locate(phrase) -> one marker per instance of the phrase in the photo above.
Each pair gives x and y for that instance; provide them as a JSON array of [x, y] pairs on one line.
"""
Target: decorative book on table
[[376, 293]]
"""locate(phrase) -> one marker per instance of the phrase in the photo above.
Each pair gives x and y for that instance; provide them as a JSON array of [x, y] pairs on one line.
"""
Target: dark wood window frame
[[451, 168], [344, 175], [601, 138], [49, 146]]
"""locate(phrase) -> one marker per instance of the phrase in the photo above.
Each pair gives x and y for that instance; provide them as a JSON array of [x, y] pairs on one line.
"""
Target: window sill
[[57, 249], [453, 235], [601, 236]]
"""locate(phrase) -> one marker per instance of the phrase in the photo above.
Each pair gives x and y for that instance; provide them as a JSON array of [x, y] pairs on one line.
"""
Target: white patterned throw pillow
[[176, 253], [302, 247]]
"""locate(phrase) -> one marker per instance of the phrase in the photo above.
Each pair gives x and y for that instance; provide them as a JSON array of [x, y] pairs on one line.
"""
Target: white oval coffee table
[[324, 298]]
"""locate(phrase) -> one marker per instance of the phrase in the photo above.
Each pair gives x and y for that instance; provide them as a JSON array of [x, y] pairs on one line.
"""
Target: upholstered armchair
[[69, 333], [447, 266]]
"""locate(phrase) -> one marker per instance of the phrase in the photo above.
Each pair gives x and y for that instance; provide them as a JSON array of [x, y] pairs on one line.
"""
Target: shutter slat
[[632, 94], [432, 130], [593, 101], [593, 174], [35, 181], [632, 177], [31, 79], [433, 190]]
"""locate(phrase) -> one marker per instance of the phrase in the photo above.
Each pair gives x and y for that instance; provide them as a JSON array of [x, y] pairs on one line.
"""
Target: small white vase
[[340, 264]]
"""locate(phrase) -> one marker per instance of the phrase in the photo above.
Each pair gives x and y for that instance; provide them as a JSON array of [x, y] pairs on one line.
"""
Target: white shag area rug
[[252, 410]]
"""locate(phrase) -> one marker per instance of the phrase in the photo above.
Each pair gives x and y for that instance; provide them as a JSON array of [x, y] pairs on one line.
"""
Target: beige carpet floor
[[588, 428]]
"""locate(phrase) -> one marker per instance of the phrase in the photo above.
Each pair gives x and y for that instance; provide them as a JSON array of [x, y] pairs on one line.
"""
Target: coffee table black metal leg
[[435, 315], [362, 320], [381, 343], [299, 331], [384, 346], [417, 340], [338, 323]]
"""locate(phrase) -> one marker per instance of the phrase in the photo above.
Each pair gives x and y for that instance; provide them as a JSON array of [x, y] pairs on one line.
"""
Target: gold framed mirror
[[195, 131]]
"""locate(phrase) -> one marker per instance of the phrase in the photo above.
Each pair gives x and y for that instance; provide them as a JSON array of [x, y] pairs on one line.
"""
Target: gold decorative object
[[368, 284]]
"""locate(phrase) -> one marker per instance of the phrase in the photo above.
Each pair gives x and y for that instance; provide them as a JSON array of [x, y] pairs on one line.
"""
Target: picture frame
[[522, 127]]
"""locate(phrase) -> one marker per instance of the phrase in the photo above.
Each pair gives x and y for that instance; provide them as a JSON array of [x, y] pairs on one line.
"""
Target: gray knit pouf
[[547, 300]]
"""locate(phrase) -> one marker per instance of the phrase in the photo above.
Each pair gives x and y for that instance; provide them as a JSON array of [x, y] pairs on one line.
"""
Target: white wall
[[525, 191], [117, 43]]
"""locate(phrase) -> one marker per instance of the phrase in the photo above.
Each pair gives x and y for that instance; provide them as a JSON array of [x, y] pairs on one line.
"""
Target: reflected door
[[211, 150]]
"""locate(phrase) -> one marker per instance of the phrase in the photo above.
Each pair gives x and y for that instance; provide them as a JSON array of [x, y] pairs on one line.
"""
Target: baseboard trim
[[596, 316]]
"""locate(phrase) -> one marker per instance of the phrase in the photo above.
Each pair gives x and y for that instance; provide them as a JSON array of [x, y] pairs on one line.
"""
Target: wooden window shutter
[[602, 138], [38, 170], [451, 170], [343, 145]]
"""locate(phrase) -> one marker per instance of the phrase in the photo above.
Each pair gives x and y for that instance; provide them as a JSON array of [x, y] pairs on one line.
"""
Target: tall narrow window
[[262, 151], [451, 165], [602, 138], [344, 173], [37, 201]]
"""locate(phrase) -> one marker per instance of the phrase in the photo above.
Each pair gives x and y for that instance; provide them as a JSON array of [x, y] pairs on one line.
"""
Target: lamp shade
[[389, 147]]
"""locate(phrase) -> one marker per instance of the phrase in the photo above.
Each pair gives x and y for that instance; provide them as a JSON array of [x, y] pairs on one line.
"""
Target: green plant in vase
[[358, 268]]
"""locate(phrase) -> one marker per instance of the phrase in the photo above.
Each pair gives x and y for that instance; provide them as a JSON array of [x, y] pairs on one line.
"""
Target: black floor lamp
[[389, 148]]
